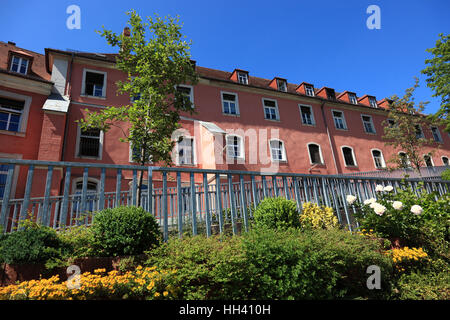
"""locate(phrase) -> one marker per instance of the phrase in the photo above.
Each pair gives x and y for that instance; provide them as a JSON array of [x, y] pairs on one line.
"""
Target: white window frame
[[236, 103], [282, 85], [83, 83], [240, 146], [177, 148], [309, 90], [448, 161], [320, 153], [438, 133], [383, 163], [373, 102], [313, 120], [242, 76], [283, 151], [130, 153], [353, 155], [352, 98], [371, 123], [431, 159], [25, 111], [277, 114], [408, 162], [16, 169], [343, 119], [21, 59], [191, 94], [77, 146]]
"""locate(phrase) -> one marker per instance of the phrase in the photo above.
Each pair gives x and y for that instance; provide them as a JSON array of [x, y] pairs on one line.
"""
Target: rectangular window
[[229, 103], [187, 93], [314, 154], [270, 109], [186, 151], [242, 78], [373, 102], [352, 98], [378, 159], [94, 84], [309, 90], [281, 84], [277, 150], [307, 115], [330, 94], [3, 175], [368, 124], [419, 132], [234, 147], [89, 144], [339, 120], [436, 134], [10, 114], [348, 157], [19, 65]]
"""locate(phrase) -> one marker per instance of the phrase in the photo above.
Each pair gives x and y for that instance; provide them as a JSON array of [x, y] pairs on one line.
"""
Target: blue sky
[[326, 43]]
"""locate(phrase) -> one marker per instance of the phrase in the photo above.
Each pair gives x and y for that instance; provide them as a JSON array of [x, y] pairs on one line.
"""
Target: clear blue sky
[[326, 43]]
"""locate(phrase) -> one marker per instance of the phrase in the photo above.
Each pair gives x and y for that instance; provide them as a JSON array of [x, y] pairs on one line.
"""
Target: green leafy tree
[[407, 131], [156, 59], [438, 73]]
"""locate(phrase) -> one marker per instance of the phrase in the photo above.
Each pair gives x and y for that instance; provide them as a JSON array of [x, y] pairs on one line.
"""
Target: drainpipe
[[329, 137]]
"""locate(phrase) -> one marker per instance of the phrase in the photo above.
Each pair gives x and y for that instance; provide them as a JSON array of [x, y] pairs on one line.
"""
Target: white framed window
[[235, 146], [378, 159], [331, 95], [309, 90], [368, 124], [445, 161], [94, 83], [230, 104], [373, 102], [307, 114], [436, 134], [242, 77], [277, 150], [14, 110], [92, 189], [270, 109], [281, 85], [404, 160], [185, 151], [339, 119], [352, 98], [428, 160], [349, 156], [315, 153], [188, 92], [19, 64], [89, 144], [419, 132]]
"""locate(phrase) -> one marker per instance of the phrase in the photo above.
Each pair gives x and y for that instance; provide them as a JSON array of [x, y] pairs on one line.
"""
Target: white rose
[[397, 205], [388, 188], [379, 209], [369, 201], [379, 188], [351, 199], [374, 204], [416, 209]]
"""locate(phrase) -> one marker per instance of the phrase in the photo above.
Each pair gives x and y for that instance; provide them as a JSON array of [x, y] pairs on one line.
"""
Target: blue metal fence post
[[179, 206], [65, 203], [46, 207], [164, 207], [193, 205], [219, 203], [207, 207], [232, 204], [26, 197], [5, 200], [118, 187], [243, 202]]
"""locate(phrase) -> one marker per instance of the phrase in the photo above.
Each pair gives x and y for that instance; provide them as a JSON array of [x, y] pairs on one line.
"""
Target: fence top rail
[[40, 163]]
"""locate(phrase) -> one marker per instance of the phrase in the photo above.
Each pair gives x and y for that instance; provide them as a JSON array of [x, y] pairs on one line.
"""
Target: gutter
[[329, 137]]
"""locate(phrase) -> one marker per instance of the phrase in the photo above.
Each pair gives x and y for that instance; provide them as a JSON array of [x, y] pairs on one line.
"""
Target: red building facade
[[242, 122]]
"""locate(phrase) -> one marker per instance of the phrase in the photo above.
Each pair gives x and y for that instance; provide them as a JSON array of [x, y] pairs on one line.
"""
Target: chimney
[[126, 32], [11, 43]]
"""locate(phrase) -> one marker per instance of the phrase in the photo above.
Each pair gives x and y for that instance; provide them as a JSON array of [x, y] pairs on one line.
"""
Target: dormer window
[[352, 98], [242, 77], [94, 83], [330, 94], [373, 102], [309, 90], [281, 84], [19, 65]]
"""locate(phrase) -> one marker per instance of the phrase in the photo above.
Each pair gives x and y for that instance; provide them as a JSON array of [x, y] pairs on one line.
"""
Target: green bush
[[32, 243], [80, 241], [124, 231], [424, 286], [445, 174], [277, 213]]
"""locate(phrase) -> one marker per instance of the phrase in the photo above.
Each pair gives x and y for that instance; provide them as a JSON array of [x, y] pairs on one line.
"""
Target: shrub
[[318, 217], [124, 231], [80, 241], [424, 286], [32, 243], [277, 213], [445, 174]]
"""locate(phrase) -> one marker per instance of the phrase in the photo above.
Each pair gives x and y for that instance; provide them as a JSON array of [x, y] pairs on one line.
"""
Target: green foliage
[[445, 175], [32, 243], [424, 286], [277, 213], [268, 263], [438, 73], [80, 241], [317, 217], [124, 231], [156, 59]]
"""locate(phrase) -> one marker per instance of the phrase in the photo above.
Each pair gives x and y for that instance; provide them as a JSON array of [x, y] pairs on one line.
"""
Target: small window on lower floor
[[90, 143], [428, 160], [445, 161], [348, 156], [185, 151], [314, 153], [3, 175], [403, 159], [378, 159], [277, 150]]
